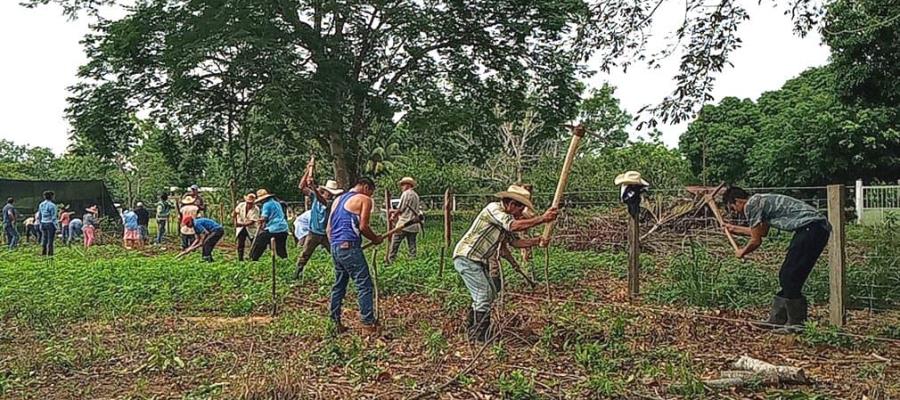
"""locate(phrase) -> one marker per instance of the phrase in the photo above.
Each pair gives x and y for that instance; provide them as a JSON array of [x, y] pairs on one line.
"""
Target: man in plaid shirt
[[497, 221]]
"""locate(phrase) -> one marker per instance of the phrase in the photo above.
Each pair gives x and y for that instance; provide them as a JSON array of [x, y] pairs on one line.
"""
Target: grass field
[[117, 324]]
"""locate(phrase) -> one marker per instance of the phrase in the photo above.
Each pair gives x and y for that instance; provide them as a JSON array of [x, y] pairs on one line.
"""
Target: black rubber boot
[[797, 312], [777, 316], [482, 326], [497, 283]]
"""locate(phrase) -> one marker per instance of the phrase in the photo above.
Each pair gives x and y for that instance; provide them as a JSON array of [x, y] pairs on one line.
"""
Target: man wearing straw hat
[[408, 210], [246, 220], [273, 224], [480, 243], [188, 209], [322, 196]]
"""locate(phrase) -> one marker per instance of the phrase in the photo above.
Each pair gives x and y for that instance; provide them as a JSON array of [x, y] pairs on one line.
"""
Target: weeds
[[516, 386]]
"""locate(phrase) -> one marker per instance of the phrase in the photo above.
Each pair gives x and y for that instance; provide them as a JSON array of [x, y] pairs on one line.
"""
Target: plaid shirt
[[480, 242]]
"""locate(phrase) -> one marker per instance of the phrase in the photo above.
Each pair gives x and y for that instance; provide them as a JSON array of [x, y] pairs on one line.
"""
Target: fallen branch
[[753, 371]]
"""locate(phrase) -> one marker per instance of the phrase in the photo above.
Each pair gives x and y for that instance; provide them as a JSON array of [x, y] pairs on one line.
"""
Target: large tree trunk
[[342, 168]]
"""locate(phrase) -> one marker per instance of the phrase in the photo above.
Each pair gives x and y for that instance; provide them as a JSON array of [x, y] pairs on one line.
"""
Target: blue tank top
[[344, 224]]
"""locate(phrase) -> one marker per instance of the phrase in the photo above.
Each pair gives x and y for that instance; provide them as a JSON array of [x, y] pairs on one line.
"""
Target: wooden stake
[[837, 255], [447, 223], [634, 256], [390, 222], [274, 304], [375, 283], [547, 272], [577, 135]]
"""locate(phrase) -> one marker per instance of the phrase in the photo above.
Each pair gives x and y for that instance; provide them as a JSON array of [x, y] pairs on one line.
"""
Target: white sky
[[40, 55]]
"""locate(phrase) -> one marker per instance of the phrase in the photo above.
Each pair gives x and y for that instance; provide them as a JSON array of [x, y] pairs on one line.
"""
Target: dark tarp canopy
[[78, 195]]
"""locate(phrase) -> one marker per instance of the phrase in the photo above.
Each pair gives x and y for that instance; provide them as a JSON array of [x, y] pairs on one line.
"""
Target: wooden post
[[837, 256], [634, 256], [274, 303]]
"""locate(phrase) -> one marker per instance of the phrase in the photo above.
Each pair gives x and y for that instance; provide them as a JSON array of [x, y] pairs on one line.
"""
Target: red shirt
[[64, 218]]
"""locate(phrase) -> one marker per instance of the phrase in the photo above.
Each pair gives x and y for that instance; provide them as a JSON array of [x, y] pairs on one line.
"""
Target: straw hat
[[250, 197], [262, 194], [188, 200], [517, 193], [91, 209], [332, 187], [631, 178], [408, 180]]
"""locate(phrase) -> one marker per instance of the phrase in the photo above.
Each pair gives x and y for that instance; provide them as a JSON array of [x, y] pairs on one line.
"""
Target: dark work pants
[[802, 254], [262, 242], [242, 237], [210, 243], [48, 236], [312, 241]]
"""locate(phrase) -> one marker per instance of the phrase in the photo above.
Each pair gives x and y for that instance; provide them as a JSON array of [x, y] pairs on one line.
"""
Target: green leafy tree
[[864, 36], [809, 137], [718, 141], [329, 70], [604, 118]]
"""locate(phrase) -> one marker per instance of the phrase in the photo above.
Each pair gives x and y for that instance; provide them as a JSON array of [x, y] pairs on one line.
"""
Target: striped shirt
[[482, 239]]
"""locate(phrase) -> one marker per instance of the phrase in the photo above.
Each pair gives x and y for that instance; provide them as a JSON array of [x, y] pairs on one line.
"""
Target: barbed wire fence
[[687, 260]]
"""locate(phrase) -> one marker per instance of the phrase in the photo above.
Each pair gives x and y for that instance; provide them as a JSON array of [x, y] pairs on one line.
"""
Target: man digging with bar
[[811, 230], [481, 242], [322, 197]]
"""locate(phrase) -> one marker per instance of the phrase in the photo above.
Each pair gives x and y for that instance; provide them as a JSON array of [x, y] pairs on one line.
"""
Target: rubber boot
[[482, 326], [497, 283], [797, 312], [777, 316]]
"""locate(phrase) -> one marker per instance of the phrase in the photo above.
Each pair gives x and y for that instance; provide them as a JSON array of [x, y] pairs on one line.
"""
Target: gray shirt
[[409, 210], [90, 220], [781, 212], [9, 213]]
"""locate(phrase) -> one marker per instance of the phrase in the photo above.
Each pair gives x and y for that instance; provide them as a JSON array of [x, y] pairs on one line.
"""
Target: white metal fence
[[877, 204]]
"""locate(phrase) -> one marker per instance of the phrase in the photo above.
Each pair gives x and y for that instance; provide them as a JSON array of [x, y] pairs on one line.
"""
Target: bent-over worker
[[811, 230], [207, 232]]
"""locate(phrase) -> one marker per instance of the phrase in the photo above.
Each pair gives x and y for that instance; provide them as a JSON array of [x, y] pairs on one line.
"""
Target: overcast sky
[[40, 55]]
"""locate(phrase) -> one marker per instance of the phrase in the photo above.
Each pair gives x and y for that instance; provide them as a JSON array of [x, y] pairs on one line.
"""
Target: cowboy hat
[[250, 197], [262, 194], [517, 193], [332, 187], [91, 209], [631, 178], [188, 200], [407, 180]]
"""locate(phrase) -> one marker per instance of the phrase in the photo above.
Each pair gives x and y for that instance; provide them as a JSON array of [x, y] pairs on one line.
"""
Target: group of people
[[338, 220], [49, 220]]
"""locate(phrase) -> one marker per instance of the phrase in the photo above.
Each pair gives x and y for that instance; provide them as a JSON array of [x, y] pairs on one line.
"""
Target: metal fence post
[[634, 256], [860, 201], [837, 255]]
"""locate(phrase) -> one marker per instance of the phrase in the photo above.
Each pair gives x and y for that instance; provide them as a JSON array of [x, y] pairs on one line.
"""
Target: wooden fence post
[[837, 256], [634, 256]]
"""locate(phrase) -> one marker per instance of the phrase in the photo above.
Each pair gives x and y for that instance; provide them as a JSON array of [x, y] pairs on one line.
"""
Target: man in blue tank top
[[348, 222]]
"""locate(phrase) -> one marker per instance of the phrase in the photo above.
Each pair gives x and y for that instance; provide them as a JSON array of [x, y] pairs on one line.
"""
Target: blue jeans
[[74, 232], [161, 233], [475, 276], [351, 263], [12, 235], [65, 233], [48, 236]]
